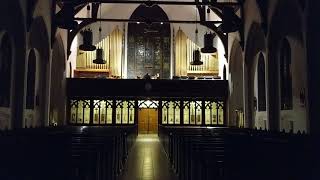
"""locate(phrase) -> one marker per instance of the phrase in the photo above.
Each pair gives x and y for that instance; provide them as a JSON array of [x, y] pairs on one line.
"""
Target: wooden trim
[[203, 72], [92, 70]]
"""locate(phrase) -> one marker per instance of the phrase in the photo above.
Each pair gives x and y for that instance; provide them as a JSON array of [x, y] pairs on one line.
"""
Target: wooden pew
[[228, 153], [65, 153]]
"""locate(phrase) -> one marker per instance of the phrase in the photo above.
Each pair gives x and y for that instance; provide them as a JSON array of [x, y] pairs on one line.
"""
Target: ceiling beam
[[150, 3], [95, 9], [147, 21], [78, 8]]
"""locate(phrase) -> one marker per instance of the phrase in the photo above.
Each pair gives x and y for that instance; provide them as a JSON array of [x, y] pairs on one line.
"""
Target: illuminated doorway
[[148, 117]]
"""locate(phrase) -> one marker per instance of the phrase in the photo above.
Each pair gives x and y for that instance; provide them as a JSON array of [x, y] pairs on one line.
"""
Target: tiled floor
[[147, 161]]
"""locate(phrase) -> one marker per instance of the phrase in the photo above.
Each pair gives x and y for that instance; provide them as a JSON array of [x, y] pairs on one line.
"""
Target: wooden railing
[[124, 111], [114, 102]]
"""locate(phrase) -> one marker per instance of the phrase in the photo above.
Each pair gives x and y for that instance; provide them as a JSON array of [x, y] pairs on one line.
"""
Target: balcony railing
[[114, 102]]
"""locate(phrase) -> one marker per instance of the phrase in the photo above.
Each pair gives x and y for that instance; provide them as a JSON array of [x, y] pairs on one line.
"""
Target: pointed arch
[[15, 27], [39, 39], [285, 76], [235, 101], [149, 45], [262, 94], [255, 44], [289, 27], [6, 73], [313, 39], [31, 78], [6, 62], [58, 84]]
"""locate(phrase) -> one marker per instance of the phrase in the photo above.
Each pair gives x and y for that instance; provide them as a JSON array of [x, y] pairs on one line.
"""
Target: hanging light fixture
[[196, 58], [196, 53], [99, 52], [64, 18], [208, 43], [87, 37], [208, 40]]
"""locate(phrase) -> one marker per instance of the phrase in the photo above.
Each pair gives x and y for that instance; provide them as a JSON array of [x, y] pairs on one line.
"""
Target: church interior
[[159, 89]]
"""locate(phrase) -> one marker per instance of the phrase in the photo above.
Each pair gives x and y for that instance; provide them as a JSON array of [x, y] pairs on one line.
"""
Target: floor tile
[[147, 161]]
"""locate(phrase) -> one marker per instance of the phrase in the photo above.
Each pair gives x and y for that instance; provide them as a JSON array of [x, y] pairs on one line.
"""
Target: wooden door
[[153, 121], [148, 121]]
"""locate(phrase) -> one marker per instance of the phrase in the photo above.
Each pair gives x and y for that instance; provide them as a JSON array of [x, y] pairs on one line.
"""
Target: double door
[[148, 121]]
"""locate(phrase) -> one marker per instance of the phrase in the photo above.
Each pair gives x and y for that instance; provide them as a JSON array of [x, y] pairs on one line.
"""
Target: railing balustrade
[[100, 111]]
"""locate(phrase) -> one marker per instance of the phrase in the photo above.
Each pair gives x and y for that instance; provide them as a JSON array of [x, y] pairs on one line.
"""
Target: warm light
[[148, 104], [83, 127], [161, 23], [138, 22], [148, 138]]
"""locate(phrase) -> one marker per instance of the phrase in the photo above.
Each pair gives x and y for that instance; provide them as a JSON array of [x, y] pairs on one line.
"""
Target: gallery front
[[146, 103]]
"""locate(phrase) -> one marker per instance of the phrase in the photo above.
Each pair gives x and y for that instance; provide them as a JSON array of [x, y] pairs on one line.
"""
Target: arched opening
[[313, 64], [58, 84], [285, 76], [236, 96], [31, 78], [6, 57], [149, 44], [256, 44], [30, 96], [5, 70], [262, 105], [287, 72], [15, 27], [260, 93], [39, 39]]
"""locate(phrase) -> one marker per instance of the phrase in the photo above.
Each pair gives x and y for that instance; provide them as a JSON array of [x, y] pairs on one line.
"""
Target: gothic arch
[[262, 94], [235, 83], [6, 72], [31, 78], [39, 39], [285, 73], [29, 113], [287, 23], [313, 64], [152, 39], [255, 44], [6, 62], [15, 26], [58, 83]]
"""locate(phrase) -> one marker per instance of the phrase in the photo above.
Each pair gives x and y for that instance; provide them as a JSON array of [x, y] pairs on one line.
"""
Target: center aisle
[[147, 161]]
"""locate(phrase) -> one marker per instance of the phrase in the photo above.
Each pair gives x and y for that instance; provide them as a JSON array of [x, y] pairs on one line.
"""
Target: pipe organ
[[184, 56], [113, 45], [210, 61], [112, 54], [85, 59]]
